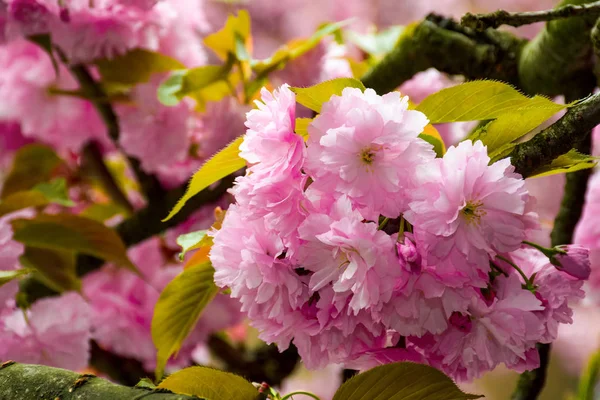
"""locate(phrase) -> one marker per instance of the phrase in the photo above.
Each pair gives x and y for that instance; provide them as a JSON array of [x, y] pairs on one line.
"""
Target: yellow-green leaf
[[55, 191], [513, 113], [102, 212], [209, 384], [401, 381], [56, 268], [7, 276], [72, 233], [135, 66], [223, 42], [191, 241], [223, 163], [33, 164], [178, 308], [432, 136], [313, 97], [569, 162], [184, 82], [20, 200], [302, 127]]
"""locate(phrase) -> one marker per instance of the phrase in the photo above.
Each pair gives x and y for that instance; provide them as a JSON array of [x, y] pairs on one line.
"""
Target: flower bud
[[574, 260]]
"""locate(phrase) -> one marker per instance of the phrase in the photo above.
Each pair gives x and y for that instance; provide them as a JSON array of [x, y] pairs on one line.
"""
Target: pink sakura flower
[[466, 209], [424, 304], [123, 305], [270, 139], [353, 256], [64, 122], [10, 251], [556, 289], [502, 329], [250, 260], [366, 147], [56, 333]]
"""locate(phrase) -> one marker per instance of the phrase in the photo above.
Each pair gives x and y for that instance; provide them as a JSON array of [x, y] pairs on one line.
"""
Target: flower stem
[[383, 223], [289, 396], [525, 278]]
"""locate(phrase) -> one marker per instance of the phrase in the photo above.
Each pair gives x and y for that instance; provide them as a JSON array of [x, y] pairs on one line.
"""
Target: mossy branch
[[25, 381]]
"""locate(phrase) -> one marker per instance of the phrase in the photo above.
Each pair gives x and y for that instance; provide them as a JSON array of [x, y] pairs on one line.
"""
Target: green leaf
[[7, 276], [184, 82], [102, 212], [589, 379], [72, 233], [55, 191], [313, 97], [33, 164], [135, 66], [223, 42], [432, 136], [568, 162], [513, 113], [20, 200], [302, 127], [191, 241], [56, 268], [223, 163], [209, 384], [401, 381], [377, 44], [178, 308]]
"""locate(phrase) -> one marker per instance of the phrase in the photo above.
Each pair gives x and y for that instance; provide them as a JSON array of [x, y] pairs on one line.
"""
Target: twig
[[92, 157], [498, 18]]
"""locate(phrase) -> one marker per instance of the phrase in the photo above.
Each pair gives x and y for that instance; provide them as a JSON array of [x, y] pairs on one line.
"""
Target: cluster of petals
[[361, 247]]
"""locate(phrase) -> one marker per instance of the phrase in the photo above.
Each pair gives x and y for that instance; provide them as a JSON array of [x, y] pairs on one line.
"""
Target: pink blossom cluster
[[361, 247]]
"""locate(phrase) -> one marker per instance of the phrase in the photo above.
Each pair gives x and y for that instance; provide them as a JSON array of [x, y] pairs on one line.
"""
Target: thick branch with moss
[[444, 44], [24, 381]]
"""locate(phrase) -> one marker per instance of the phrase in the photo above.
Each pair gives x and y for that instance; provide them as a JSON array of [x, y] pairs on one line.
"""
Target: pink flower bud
[[408, 255], [576, 261]]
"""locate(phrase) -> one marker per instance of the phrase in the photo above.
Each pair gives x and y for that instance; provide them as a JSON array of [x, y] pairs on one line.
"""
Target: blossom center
[[472, 211], [367, 156]]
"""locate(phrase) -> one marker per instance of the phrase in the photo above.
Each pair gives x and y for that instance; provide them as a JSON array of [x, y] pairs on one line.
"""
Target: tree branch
[[558, 138], [443, 44], [25, 381], [498, 18]]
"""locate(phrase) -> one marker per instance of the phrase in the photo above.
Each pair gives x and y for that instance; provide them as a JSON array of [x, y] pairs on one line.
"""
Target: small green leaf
[[33, 164], [209, 384], [589, 379], [569, 162], [7, 276], [401, 381], [145, 383], [513, 113], [223, 163], [72, 233], [178, 308], [56, 268], [182, 83], [223, 42], [313, 97], [302, 127], [55, 191], [135, 66], [191, 241], [433, 137]]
